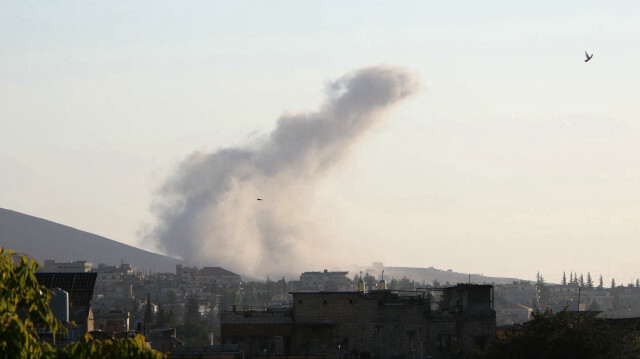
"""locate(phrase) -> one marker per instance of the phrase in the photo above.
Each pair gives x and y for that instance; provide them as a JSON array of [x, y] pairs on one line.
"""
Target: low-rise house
[[186, 274], [112, 321], [517, 293]]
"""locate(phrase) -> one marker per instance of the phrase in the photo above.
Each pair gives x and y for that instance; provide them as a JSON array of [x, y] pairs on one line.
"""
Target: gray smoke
[[208, 210]]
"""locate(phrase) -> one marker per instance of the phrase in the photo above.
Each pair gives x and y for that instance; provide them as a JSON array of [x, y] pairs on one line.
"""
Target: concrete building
[[219, 275], [112, 321], [517, 294], [513, 315], [186, 274], [51, 266], [440, 323], [324, 281], [599, 299]]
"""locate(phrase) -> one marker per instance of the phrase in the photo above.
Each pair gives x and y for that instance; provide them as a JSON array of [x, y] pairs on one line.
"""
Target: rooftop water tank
[[59, 304]]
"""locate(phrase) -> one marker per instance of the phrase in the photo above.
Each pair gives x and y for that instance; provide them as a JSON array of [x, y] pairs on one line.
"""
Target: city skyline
[[513, 157]]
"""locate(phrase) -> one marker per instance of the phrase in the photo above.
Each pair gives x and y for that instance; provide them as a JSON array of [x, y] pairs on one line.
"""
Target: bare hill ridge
[[430, 274], [43, 239]]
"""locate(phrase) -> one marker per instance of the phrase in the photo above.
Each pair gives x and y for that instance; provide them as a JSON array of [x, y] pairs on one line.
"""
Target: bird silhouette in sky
[[588, 57], [259, 199]]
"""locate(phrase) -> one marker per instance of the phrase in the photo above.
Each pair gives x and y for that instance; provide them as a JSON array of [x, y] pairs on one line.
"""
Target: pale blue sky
[[516, 149]]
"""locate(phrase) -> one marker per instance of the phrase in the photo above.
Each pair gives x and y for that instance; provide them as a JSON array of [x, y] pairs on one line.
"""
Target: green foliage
[[148, 315], [230, 297], [130, 348], [589, 281], [194, 330], [563, 335], [24, 306], [24, 309], [393, 284], [170, 297], [164, 319]]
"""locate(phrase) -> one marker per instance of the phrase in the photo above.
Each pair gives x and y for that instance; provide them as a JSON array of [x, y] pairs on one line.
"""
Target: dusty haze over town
[[468, 135]]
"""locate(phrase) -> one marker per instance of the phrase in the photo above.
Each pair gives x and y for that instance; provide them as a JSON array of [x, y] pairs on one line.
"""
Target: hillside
[[42, 239], [429, 275]]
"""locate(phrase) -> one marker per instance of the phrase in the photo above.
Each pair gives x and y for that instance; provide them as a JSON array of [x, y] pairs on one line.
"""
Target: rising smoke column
[[208, 213]]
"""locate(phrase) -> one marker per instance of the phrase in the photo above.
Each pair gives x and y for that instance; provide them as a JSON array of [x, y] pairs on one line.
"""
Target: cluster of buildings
[[515, 302], [324, 314], [113, 299]]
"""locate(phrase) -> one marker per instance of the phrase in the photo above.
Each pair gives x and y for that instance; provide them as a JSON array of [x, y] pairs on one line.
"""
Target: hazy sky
[[514, 157]]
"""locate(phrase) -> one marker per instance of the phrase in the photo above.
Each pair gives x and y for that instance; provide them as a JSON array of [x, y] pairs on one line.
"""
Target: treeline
[[586, 282]]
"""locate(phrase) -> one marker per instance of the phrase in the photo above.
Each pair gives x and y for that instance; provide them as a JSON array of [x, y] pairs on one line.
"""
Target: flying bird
[[588, 57], [259, 199]]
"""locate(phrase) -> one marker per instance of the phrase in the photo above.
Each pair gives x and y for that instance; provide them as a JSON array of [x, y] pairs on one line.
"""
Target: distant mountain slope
[[430, 274], [42, 239]]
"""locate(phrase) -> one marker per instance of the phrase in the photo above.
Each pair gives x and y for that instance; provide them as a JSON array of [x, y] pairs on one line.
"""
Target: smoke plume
[[208, 211]]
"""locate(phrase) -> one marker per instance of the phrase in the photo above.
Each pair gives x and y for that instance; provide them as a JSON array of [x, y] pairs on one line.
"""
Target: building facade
[[324, 281], [440, 323], [53, 266]]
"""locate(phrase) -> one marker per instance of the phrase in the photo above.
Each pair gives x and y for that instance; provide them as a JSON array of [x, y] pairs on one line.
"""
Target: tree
[[393, 284], [637, 283], [193, 331], [564, 278], [229, 298], [406, 284], [163, 318], [613, 283], [170, 297], [562, 335], [600, 283], [589, 281], [570, 277], [24, 309], [88, 348], [542, 287], [148, 315], [20, 293], [192, 310], [581, 281]]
